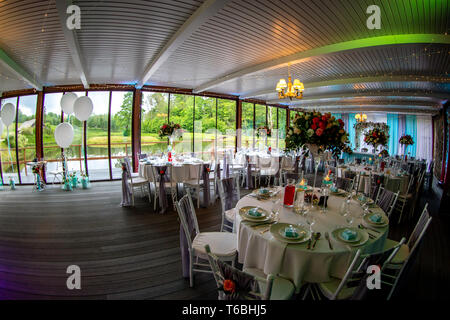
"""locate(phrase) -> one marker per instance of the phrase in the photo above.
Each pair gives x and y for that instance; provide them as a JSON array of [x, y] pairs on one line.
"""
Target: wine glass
[[310, 220], [349, 218]]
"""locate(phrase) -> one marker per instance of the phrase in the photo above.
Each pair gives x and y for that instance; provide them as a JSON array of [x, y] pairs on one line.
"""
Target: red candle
[[289, 193], [170, 156]]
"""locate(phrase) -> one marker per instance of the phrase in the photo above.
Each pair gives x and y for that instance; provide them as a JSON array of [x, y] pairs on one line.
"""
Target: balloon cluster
[[81, 107]]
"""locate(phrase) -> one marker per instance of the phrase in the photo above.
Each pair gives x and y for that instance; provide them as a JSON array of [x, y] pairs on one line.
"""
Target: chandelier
[[290, 90], [361, 117]]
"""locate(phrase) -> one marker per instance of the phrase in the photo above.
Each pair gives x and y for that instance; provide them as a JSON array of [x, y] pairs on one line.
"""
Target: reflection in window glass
[[26, 136], [247, 125], [9, 160], [75, 153], [272, 124], [154, 113], [182, 113], [204, 128], [121, 114], [260, 121], [52, 152], [226, 124], [281, 128], [97, 136]]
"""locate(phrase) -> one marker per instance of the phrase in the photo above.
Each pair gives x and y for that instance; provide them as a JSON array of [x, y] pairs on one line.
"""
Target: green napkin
[[290, 232], [263, 191], [377, 218], [348, 234], [254, 212]]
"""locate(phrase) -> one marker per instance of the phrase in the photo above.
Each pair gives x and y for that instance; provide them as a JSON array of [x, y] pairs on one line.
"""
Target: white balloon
[[67, 102], [64, 134], [83, 108], [8, 113]]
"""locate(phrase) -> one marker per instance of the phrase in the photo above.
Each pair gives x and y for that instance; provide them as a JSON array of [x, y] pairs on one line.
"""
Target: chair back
[[188, 219], [127, 162], [246, 285], [229, 193], [386, 200], [349, 174], [420, 228], [413, 243], [345, 183], [356, 275]]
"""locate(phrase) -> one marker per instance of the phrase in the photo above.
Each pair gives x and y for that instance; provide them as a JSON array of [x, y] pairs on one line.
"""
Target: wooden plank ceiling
[[118, 40]]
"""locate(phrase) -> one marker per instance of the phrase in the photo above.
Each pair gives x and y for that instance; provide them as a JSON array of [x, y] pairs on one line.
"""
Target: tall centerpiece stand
[[318, 133]]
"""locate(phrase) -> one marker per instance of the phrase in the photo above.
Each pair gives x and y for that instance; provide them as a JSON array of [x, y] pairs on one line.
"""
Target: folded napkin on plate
[[348, 234], [376, 218], [290, 232], [254, 212]]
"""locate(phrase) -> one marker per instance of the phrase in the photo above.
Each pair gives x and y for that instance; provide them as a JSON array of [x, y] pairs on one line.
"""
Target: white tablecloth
[[390, 181], [185, 171], [294, 261]]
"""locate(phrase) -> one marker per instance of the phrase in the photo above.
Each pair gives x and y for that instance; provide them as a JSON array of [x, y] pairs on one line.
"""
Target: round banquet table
[[392, 182], [260, 250]]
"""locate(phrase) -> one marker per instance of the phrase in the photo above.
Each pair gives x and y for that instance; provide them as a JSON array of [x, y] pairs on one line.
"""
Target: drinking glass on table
[[310, 220]]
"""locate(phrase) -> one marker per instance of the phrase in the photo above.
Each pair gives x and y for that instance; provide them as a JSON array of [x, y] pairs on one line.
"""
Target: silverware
[[327, 236], [309, 243], [316, 237]]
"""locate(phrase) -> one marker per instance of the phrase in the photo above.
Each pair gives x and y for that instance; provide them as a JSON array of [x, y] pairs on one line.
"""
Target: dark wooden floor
[[134, 253]]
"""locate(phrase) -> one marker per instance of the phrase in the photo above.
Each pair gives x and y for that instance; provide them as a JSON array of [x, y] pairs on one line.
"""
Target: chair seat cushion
[[222, 244], [193, 182], [330, 287], [268, 172], [402, 253], [138, 180], [230, 214], [282, 289]]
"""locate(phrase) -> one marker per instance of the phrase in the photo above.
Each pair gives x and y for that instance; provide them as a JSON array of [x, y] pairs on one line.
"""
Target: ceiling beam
[[374, 108], [208, 9], [329, 49], [18, 70], [368, 94], [378, 103], [359, 80], [72, 41]]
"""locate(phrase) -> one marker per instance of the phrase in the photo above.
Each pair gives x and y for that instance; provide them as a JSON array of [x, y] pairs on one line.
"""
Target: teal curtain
[[337, 115], [392, 122], [411, 129], [351, 129]]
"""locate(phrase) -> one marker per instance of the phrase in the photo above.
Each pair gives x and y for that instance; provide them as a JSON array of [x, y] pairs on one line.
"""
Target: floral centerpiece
[[167, 129], [384, 153], [262, 129], [319, 132], [406, 140], [376, 137], [347, 149]]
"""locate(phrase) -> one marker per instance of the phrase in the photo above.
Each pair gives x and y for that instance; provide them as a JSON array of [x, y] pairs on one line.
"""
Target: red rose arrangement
[[319, 129], [260, 131], [167, 129], [406, 140]]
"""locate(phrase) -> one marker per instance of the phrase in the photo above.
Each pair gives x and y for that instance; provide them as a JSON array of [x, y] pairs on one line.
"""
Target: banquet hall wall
[[122, 126]]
